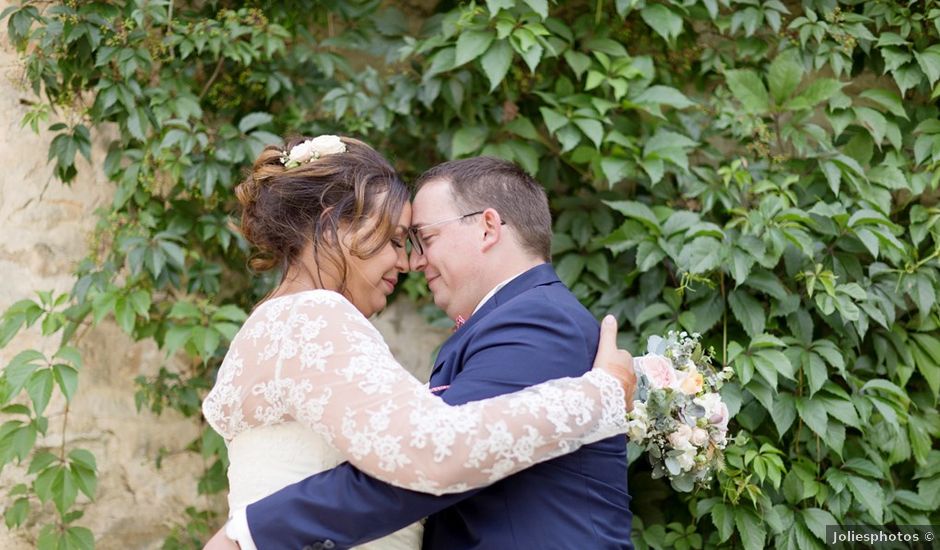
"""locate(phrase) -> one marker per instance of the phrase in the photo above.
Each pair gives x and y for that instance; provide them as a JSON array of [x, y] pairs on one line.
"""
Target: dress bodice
[[265, 459]]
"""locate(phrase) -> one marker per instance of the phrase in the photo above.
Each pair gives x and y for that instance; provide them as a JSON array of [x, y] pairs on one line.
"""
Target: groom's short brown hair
[[486, 182]]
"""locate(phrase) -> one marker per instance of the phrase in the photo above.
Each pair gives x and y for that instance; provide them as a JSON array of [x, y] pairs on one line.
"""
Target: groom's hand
[[615, 362], [220, 542]]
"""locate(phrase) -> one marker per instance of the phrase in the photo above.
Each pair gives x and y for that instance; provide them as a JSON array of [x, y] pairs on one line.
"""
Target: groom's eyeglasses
[[417, 240]]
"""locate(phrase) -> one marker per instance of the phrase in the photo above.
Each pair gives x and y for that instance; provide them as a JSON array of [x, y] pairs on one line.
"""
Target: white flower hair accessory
[[313, 149]]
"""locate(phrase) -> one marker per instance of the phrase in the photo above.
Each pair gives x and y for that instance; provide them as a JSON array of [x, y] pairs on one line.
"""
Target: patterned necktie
[[458, 322]]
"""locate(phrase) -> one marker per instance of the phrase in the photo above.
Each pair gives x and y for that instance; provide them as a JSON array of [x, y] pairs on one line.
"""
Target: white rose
[[637, 430], [686, 460], [315, 148], [301, 153], [639, 411], [638, 423], [699, 437], [328, 145]]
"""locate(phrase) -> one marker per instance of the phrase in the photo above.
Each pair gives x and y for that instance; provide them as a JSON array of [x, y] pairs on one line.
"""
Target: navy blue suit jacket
[[530, 331]]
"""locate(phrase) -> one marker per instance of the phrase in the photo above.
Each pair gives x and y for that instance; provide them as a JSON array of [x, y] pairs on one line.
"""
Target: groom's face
[[451, 261]]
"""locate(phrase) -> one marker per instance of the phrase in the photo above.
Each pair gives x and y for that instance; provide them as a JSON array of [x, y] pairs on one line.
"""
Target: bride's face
[[369, 281]]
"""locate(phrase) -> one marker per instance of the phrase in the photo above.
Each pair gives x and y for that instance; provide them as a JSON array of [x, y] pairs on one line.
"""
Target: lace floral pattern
[[313, 358]]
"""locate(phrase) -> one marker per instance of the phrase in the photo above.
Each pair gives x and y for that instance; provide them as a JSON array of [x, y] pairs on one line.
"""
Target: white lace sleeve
[[319, 361]]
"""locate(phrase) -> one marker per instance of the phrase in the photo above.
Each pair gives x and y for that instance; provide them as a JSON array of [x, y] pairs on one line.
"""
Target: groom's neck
[[500, 272]]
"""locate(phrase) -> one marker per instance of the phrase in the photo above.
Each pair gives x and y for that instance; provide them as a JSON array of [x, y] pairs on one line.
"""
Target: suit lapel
[[539, 275]]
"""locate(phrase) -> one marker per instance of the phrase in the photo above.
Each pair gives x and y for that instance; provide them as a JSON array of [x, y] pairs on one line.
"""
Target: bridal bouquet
[[678, 416]]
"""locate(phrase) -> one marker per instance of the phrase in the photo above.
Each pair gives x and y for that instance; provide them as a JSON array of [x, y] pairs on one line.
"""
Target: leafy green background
[[764, 173]]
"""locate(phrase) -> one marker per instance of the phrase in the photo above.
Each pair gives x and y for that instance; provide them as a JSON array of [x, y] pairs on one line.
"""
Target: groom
[[482, 236]]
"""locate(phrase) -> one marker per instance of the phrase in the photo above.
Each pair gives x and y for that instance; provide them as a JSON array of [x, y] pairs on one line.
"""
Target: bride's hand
[[615, 362]]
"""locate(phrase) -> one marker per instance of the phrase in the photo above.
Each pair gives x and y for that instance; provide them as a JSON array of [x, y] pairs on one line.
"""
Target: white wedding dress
[[309, 383]]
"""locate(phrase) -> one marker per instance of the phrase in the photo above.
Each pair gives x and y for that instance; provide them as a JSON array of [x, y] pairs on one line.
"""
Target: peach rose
[[692, 383]]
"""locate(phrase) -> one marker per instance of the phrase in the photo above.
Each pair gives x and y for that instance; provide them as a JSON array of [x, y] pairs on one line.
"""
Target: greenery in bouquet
[[678, 416]]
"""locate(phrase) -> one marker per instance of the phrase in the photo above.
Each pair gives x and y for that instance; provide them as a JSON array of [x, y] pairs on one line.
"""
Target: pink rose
[[720, 417], [716, 411], [658, 370], [679, 439]]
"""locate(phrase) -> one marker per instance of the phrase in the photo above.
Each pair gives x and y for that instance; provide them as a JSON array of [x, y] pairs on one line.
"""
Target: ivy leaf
[[741, 263], [593, 129], [776, 360], [597, 264], [78, 537], [19, 370], [17, 513], [929, 61], [815, 370], [926, 352], [553, 120], [746, 86], [525, 155], [64, 489], [84, 459], [723, 520], [818, 91], [648, 255], [471, 45], [175, 338], [252, 120], [614, 169], [664, 21], [785, 75], [874, 121], [841, 409], [664, 95], [578, 62], [539, 6], [886, 98], [816, 521], [869, 494], [523, 127], [67, 379], [468, 140], [570, 268], [753, 534], [496, 62], [39, 387], [890, 39], [136, 123], [637, 211], [748, 311], [701, 255], [813, 413], [783, 413]]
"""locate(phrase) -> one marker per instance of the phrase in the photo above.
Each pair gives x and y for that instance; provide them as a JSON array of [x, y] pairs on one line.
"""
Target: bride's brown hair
[[284, 208]]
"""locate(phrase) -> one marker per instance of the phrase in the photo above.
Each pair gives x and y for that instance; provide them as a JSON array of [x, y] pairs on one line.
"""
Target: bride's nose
[[401, 262]]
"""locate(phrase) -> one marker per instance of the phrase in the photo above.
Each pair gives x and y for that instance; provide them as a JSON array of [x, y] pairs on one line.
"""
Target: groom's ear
[[492, 228]]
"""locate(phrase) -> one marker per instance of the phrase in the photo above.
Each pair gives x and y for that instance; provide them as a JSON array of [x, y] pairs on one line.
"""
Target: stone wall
[[45, 228]]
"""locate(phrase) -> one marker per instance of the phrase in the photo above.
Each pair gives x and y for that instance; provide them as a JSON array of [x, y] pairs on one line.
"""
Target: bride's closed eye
[[398, 239]]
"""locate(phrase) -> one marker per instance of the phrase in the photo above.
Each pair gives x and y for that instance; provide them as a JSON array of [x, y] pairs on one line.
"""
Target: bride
[[308, 381]]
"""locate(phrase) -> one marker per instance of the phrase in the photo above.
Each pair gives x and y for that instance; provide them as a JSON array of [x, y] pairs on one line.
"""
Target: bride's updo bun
[[285, 206]]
